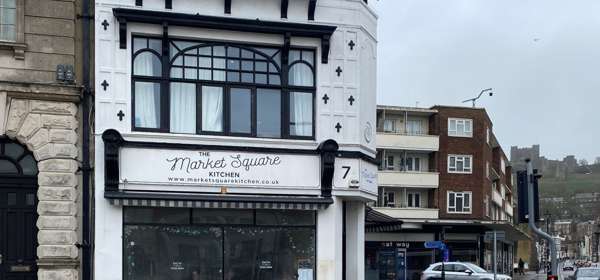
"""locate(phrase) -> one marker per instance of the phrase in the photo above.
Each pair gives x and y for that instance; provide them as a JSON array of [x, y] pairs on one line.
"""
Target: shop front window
[[223, 244]]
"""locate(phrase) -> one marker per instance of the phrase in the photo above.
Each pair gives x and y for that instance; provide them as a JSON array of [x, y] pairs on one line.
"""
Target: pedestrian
[[521, 267]]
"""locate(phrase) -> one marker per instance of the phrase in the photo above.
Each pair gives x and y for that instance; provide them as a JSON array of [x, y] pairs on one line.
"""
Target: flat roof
[[406, 109]]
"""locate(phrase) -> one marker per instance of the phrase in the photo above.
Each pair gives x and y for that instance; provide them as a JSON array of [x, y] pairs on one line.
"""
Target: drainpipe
[[86, 246]]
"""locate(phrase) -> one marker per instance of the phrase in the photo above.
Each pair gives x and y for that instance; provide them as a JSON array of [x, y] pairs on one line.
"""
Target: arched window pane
[[28, 165], [13, 150], [147, 64], [301, 75], [7, 167]]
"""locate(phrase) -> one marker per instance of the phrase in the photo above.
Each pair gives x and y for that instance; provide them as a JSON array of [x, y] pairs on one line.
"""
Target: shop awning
[[376, 221], [194, 200]]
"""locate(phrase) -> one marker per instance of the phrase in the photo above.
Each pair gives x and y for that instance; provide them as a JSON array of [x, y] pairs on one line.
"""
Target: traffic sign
[[500, 235], [435, 245]]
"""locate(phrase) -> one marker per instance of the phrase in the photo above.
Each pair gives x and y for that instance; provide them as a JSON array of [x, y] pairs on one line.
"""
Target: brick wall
[[476, 182]]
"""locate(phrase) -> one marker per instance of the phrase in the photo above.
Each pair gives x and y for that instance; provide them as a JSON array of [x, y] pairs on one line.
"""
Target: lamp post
[[473, 100]]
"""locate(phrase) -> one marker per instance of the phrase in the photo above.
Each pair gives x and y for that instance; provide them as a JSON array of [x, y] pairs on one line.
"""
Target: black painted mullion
[[227, 6], [284, 8]]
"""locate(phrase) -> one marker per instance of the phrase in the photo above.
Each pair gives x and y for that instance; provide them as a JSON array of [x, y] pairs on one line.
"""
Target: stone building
[[40, 143], [548, 167]]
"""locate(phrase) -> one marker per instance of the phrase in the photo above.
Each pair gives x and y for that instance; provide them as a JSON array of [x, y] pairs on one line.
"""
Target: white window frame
[[463, 159], [502, 165], [487, 169], [18, 46], [467, 204], [414, 167], [389, 166], [487, 135], [386, 198], [414, 195], [467, 125], [392, 122]]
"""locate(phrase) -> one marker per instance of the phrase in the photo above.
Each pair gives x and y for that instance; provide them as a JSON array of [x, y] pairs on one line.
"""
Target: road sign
[[435, 245], [500, 235]]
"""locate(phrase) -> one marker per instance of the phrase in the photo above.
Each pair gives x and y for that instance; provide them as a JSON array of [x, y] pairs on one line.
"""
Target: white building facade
[[234, 139]]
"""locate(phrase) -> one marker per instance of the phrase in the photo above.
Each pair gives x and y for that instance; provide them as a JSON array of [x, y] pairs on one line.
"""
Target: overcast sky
[[542, 58]]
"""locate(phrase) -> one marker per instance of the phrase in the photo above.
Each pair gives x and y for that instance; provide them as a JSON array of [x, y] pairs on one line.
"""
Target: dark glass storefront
[[218, 244], [396, 260]]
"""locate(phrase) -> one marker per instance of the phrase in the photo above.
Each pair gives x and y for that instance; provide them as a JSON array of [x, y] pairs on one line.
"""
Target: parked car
[[587, 273], [460, 271], [568, 267]]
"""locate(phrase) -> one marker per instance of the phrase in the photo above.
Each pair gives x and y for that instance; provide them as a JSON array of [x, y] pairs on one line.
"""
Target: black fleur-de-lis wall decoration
[[105, 24], [339, 71], [325, 98], [104, 85], [338, 126], [121, 115], [351, 45]]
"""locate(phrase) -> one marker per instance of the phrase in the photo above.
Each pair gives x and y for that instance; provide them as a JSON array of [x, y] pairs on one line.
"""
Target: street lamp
[[479, 96]]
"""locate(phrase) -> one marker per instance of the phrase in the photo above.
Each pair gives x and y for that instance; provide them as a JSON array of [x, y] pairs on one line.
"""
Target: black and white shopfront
[[209, 163]]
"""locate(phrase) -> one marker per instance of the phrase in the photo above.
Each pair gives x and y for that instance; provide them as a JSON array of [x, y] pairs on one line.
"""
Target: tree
[[597, 161], [583, 162]]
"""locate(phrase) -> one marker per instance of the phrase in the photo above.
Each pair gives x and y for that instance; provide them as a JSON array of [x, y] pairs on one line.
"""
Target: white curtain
[[183, 108], [302, 113], [147, 64], [212, 108], [147, 105], [300, 74]]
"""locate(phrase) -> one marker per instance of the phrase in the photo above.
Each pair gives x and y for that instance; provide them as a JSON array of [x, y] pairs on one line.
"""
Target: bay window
[[213, 88]]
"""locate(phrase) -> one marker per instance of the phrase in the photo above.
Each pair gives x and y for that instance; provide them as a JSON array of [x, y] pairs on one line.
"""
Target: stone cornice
[[42, 91]]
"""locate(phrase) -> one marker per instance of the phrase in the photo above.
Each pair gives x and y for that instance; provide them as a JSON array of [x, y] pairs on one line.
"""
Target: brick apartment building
[[443, 174]]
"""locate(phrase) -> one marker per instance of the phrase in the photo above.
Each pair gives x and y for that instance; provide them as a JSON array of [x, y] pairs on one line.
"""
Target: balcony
[[408, 179], [497, 197], [508, 209], [397, 141], [409, 213]]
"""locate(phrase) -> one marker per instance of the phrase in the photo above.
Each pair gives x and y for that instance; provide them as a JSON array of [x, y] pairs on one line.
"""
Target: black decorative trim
[[169, 4], [351, 45], [284, 8], [227, 7], [112, 142], [104, 85], [323, 32], [325, 98], [328, 150], [122, 33], [120, 115], [351, 100], [339, 71], [338, 127], [312, 5], [139, 3], [325, 42], [105, 24]]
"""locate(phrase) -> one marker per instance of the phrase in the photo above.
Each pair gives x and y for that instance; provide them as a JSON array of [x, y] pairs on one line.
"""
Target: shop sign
[[355, 173], [218, 168]]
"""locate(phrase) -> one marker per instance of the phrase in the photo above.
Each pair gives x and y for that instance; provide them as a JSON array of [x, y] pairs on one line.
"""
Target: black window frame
[[167, 59]]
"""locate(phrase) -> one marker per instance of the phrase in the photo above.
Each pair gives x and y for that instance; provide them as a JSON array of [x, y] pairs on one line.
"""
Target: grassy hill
[[567, 188], [574, 183]]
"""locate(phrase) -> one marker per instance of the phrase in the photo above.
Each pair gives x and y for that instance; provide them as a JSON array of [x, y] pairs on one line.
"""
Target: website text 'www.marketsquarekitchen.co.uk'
[[200, 180]]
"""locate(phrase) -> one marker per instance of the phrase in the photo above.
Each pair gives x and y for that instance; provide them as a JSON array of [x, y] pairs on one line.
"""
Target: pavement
[[530, 275]]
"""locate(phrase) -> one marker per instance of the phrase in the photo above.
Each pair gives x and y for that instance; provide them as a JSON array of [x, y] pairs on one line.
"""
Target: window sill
[[458, 172], [18, 48]]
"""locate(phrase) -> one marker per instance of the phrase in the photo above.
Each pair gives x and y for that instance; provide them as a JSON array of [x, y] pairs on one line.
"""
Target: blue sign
[[446, 255], [435, 245]]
